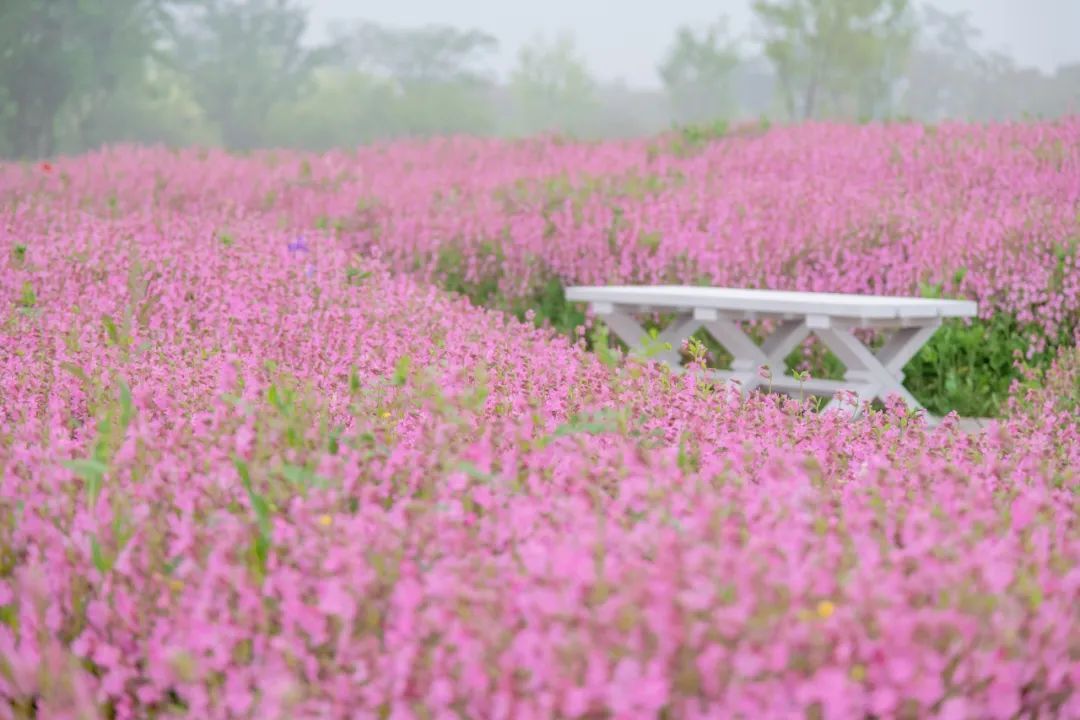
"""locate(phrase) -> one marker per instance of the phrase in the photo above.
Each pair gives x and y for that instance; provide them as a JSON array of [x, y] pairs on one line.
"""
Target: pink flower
[[955, 708], [335, 600], [884, 701]]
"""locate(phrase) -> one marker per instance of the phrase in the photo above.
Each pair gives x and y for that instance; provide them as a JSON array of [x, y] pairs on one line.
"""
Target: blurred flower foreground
[[257, 462]]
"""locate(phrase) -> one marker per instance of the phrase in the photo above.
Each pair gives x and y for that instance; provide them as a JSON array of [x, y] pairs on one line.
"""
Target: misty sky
[[626, 38]]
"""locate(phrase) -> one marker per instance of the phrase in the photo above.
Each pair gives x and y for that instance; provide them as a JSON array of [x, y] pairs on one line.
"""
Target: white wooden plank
[[777, 302]]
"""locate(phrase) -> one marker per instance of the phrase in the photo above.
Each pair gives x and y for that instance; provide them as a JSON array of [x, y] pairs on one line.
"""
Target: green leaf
[[243, 471], [28, 298], [474, 472], [951, 383], [272, 396], [401, 370], [302, 476], [259, 504], [589, 428], [101, 562], [127, 410], [75, 370], [262, 551], [262, 512], [110, 329], [92, 472], [355, 276]]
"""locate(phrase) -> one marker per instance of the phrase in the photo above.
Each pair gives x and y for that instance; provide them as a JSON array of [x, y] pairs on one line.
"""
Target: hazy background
[[76, 74], [624, 39]]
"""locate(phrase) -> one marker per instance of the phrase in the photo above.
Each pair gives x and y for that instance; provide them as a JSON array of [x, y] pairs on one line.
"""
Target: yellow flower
[[825, 609], [858, 673], [386, 413], [326, 520], [176, 584]]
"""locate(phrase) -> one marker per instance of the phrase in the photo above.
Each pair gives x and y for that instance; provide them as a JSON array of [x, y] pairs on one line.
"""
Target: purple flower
[[299, 245]]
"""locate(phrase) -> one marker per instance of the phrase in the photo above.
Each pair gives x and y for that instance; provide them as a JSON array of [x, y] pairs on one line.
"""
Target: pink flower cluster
[[988, 213], [248, 475]]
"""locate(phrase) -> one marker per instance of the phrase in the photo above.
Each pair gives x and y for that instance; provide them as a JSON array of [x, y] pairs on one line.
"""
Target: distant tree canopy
[[421, 56], [836, 57], [435, 75], [244, 57], [75, 74], [551, 87], [697, 73], [62, 60]]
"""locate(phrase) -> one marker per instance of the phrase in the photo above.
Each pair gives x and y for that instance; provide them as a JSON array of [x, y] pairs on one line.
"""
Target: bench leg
[[627, 329], [782, 341], [874, 376], [868, 375], [903, 345], [749, 356]]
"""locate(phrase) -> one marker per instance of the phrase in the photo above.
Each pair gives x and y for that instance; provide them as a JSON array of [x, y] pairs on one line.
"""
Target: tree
[[697, 73], [551, 87], [943, 66], [430, 54], [949, 77], [437, 73], [243, 58], [62, 60], [840, 56], [344, 109], [1065, 89]]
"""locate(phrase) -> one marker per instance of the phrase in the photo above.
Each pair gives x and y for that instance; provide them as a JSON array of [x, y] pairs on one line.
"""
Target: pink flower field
[[257, 462]]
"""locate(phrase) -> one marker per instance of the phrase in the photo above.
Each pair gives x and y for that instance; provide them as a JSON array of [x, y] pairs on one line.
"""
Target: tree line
[[76, 74]]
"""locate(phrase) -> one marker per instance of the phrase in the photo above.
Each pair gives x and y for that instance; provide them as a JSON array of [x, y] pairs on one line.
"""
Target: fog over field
[[320, 74], [626, 39]]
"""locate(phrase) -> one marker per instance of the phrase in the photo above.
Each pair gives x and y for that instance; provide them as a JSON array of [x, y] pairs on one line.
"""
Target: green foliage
[[154, 107], [427, 55], [243, 59], [837, 57], [595, 424], [92, 471], [697, 73], [402, 370], [451, 271], [27, 296], [552, 88], [344, 108], [970, 367], [114, 420], [1056, 386], [259, 551], [690, 139], [64, 60], [549, 304], [599, 341]]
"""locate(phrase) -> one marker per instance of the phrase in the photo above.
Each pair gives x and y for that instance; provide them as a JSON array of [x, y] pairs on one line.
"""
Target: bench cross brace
[[869, 375]]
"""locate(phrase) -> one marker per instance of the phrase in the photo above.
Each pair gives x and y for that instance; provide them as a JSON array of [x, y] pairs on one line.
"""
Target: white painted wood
[[829, 316], [773, 302], [903, 345], [868, 377]]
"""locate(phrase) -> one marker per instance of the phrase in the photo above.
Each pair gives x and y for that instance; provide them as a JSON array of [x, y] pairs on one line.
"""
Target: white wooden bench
[[831, 317]]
